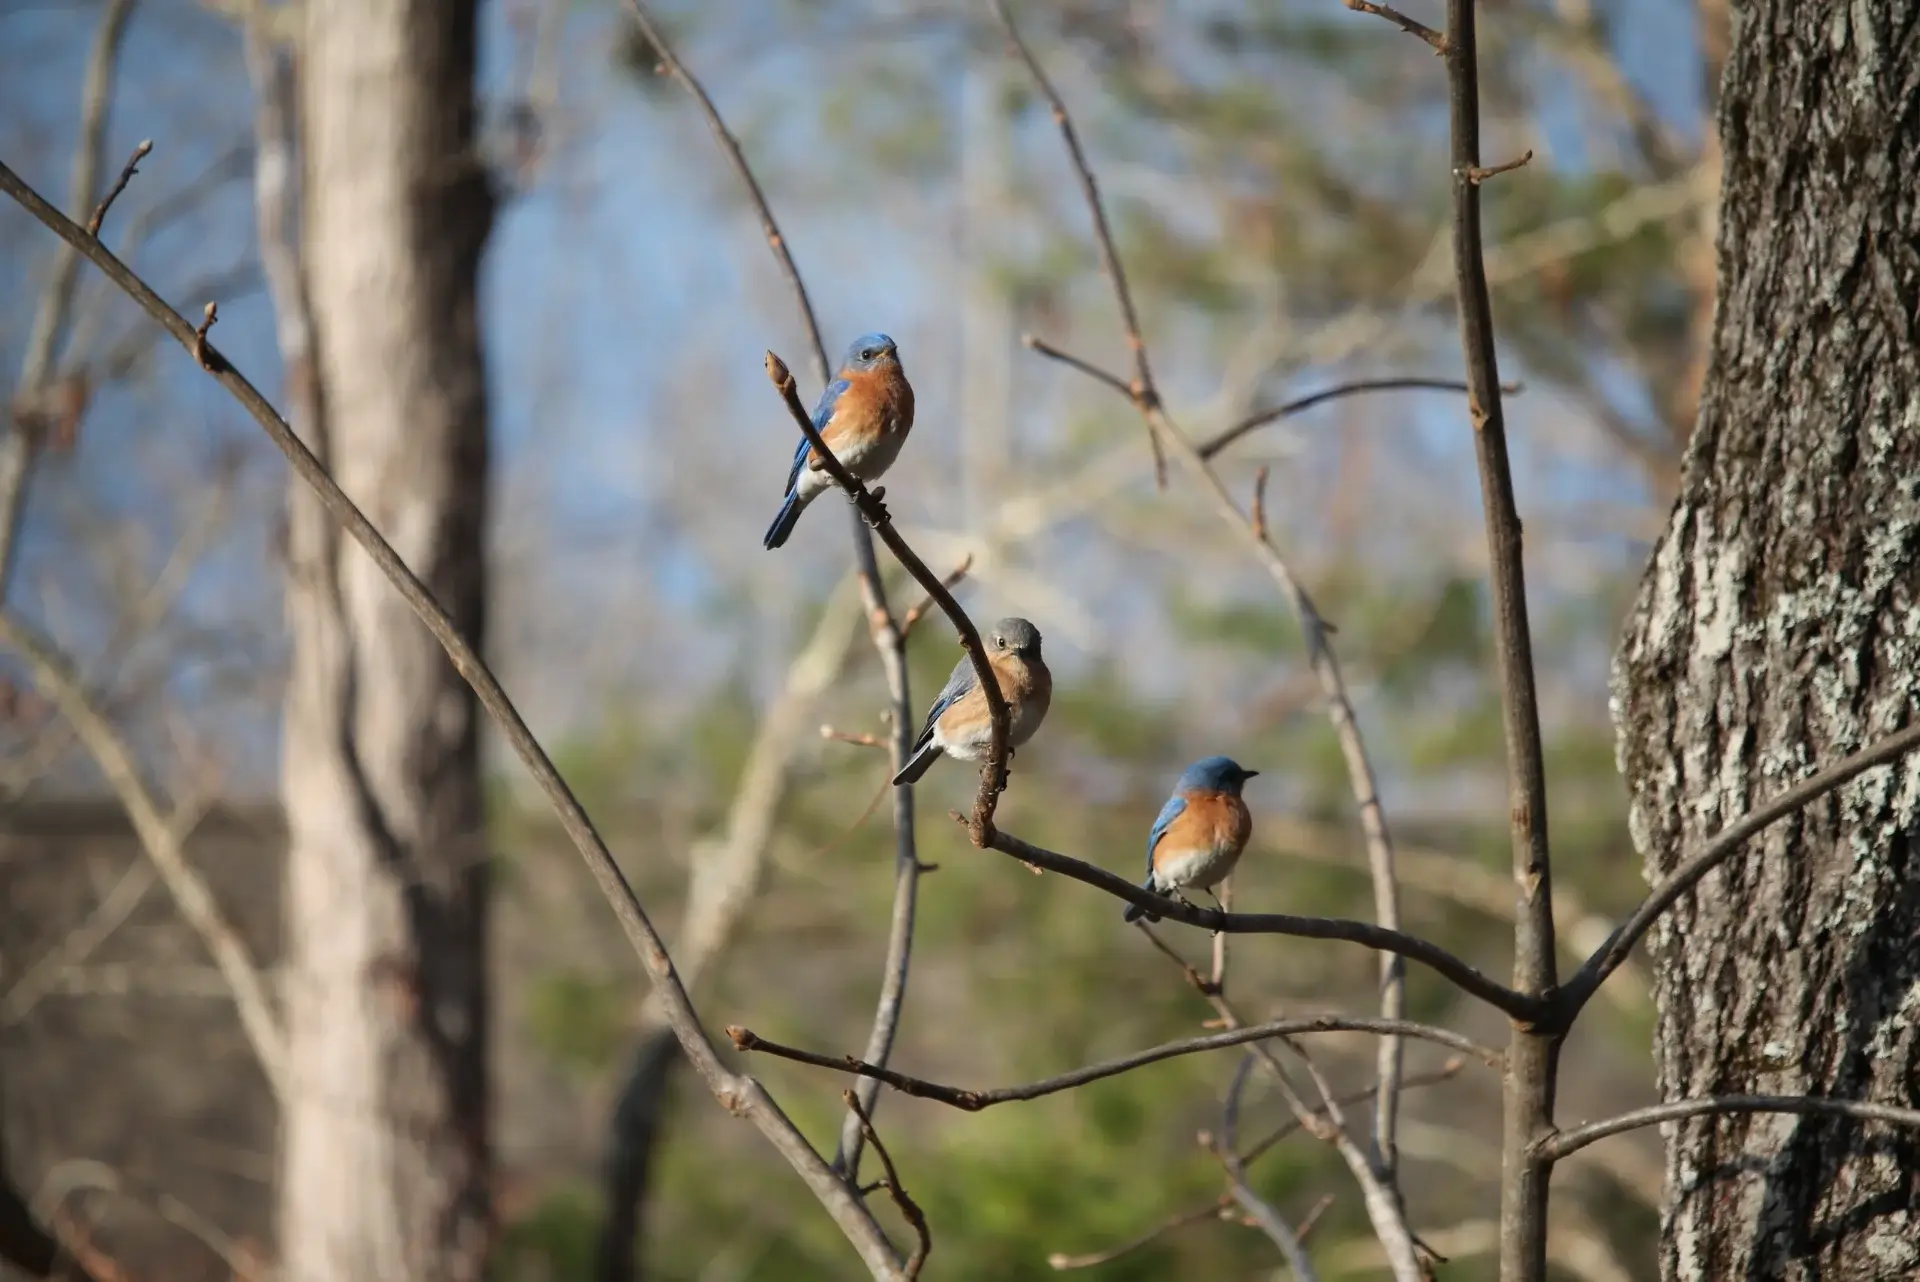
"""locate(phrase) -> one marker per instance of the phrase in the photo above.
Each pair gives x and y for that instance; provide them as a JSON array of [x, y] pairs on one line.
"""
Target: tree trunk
[[386, 1156], [1778, 629]]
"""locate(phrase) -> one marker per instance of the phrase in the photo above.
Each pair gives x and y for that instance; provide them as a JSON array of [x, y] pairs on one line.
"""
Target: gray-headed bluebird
[[1200, 832], [958, 724], [863, 416]]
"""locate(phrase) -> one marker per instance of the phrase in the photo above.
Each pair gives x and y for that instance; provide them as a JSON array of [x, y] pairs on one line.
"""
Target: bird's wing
[[955, 690], [1175, 807], [822, 415]]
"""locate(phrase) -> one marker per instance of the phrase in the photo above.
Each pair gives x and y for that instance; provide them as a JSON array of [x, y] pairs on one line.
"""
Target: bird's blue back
[[962, 680], [1175, 807], [822, 415]]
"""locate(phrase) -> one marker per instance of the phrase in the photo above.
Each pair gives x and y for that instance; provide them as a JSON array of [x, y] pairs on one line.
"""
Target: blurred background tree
[[1277, 171]]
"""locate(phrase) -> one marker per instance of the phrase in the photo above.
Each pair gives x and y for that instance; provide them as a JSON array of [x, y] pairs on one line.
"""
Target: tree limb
[[1614, 953], [972, 1101], [1459, 973], [1561, 1144]]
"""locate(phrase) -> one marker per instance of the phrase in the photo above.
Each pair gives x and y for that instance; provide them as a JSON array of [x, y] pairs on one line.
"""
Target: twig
[[1299, 405], [895, 1189], [203, 353], [161, 836], [1259, 1212], [1142, 390], [127, 172], [993, 771], [1380, 1196], [731, 146], [857, 738], [1477, 174], [1561, 1144], [973, 1101], [1446, 1072], [1402, 21], [1524, 1006], [1484, 891], [1533, 1056], [1062, 1262], [737, 1093], [919, 611], [1594, 972], [53, 309]]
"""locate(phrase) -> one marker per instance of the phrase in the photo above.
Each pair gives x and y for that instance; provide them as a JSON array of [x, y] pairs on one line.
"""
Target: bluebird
[[863, 416], [958, 724], [1200, 832]]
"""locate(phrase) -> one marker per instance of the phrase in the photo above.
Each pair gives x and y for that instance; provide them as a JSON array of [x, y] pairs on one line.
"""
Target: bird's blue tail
[[783, 524], [917, 764], [1135, 912]]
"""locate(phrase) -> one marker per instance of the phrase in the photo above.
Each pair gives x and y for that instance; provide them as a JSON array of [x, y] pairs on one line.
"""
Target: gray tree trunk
[[1778, 629], [385, 1153]]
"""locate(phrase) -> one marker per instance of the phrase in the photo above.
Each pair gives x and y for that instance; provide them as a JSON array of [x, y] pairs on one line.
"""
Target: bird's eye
[[999, 642], [869, 353]]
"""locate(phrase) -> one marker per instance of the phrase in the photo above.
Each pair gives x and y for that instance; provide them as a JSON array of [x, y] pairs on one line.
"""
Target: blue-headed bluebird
[[1200, 832], [863, 416], [958, 724]]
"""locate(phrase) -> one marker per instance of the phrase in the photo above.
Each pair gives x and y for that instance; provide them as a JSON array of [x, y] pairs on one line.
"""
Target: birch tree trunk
[[385, 1161], [1778, 629]]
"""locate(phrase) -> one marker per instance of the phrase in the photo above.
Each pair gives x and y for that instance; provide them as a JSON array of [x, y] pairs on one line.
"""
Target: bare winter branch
[[1402, 21], [1366, 934], [1532, 1058], [973, 1101], [127, 171], [1299, 405], [895, 1189], [1562, 1144], [1142, 390], [1584, 982]]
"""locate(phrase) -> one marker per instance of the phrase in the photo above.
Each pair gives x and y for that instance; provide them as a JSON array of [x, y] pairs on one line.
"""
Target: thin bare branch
[[1062, 1262], [993, 770], [1402, 21], [1413, 1081], [1144, 392], [1380, 1196], [127, 171], [895, 1189], [973, 1101], [1459, 973], [1301, 404], [51, 313], [858, 738], [1259, 1212], [920, 609], [731, 146], [1584, 982], [1477, 174], [1561, 1144], [738, 1093], [1533, 1056], [161, 837]]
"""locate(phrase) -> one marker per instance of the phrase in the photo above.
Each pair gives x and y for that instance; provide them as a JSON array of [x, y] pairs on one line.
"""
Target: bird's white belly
[[1201, 867]]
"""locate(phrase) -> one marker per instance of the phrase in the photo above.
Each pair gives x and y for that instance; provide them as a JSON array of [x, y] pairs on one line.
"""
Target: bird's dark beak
[[1248, 774]]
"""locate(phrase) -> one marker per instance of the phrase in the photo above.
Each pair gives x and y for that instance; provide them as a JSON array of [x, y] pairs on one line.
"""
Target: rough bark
[[385, 1159], [1777, 629]]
